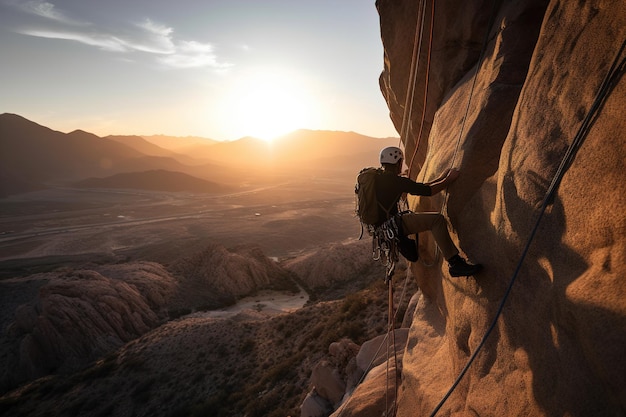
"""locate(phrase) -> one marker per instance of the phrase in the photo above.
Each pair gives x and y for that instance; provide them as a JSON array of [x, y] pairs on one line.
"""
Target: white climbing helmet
[[391, 155]]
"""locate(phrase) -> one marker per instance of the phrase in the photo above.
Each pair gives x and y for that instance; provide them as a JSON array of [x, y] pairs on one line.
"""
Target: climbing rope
[[469, 100], [391, 347], [426, 83], [386, 340], [406, 118], [411, 81], [610, 80], [391, 343], [461, 130]]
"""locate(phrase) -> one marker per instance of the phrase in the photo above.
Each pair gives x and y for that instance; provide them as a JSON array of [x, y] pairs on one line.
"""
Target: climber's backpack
[[367, 205], [388, 234]]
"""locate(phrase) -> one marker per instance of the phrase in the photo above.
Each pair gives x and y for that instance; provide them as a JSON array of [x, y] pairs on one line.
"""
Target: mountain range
[[33, 156]]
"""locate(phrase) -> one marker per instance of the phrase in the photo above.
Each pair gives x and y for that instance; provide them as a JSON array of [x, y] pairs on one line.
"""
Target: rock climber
[[391, 185]]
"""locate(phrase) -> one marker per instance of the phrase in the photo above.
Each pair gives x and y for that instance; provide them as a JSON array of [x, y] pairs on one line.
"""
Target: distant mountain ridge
[[38, 155], [32, 156], [155, 180], [178, 143], [141, 144]]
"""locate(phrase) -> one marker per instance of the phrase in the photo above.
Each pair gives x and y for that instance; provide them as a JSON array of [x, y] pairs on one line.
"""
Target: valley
[[121, 294], [282, 218], [179, 273]]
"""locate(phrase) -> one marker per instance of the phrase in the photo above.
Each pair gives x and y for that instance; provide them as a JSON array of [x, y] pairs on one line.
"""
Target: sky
[[220, 69]]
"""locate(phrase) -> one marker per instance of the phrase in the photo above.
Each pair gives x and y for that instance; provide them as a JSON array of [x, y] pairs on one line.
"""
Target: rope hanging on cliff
[[391, 345], [342, 408], [426, 82], [412, 79], [406, 117], [618, 67], [469, 100], [467, 107]]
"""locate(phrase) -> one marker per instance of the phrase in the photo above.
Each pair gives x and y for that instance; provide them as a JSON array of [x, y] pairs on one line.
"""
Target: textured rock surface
[[336, 263], [78, 316], [59, 322], [216, 275], [557, 348], [201, 365]]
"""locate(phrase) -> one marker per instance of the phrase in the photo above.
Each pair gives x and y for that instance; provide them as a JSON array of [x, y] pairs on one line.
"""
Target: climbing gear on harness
[[385, 244], [388, 240]]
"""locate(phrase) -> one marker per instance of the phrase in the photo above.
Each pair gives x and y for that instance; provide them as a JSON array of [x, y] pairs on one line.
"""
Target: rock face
[[557, 348]]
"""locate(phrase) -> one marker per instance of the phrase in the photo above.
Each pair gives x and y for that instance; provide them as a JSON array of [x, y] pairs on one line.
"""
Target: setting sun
[[268, 104]]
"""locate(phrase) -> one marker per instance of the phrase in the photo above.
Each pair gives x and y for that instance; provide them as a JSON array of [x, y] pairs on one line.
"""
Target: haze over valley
[[74, 194], [154, 229]]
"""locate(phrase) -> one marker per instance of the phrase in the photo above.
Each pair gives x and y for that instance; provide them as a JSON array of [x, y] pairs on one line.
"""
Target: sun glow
[[268, 104]]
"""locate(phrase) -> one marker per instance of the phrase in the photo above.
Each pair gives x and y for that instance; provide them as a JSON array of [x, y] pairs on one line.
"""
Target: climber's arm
[[441, 183]]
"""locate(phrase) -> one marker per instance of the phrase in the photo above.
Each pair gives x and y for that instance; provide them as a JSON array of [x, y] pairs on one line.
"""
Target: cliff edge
[[501, 91]]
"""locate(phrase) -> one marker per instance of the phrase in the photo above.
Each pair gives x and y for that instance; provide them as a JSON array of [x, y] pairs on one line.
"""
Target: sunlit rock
[[505, 117]]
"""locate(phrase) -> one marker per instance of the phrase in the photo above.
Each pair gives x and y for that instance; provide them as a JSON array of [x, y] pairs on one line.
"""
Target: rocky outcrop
[[59, 322], [202, 365], [336, 263], [333, 379], [217, 276], [505, 118], [81, 315]]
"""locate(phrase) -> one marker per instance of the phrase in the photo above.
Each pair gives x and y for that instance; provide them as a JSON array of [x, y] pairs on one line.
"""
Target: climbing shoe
[[460, 268]]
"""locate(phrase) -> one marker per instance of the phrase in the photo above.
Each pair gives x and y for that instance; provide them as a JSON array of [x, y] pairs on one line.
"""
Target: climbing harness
[[385, 244], [618, 67]]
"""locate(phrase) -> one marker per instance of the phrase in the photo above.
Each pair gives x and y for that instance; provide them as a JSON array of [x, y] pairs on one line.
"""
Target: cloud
[[146, 36], [45, 10], [192, 54], [103, 42], [155, 38]]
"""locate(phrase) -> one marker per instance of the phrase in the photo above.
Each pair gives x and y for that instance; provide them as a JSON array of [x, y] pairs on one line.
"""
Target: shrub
[[247, 346], [141, 393]]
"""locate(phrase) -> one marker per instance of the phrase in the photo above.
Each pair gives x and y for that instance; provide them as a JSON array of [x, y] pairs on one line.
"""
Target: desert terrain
[[61, 225], [205, 279], [254, 342]]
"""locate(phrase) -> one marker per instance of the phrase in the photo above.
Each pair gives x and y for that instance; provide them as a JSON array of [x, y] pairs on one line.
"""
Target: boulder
[[374, 351], [315, 406], [327, 382], [217, 276]]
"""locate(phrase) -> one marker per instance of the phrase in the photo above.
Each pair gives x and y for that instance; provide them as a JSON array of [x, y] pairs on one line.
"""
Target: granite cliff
[[505, 114]]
